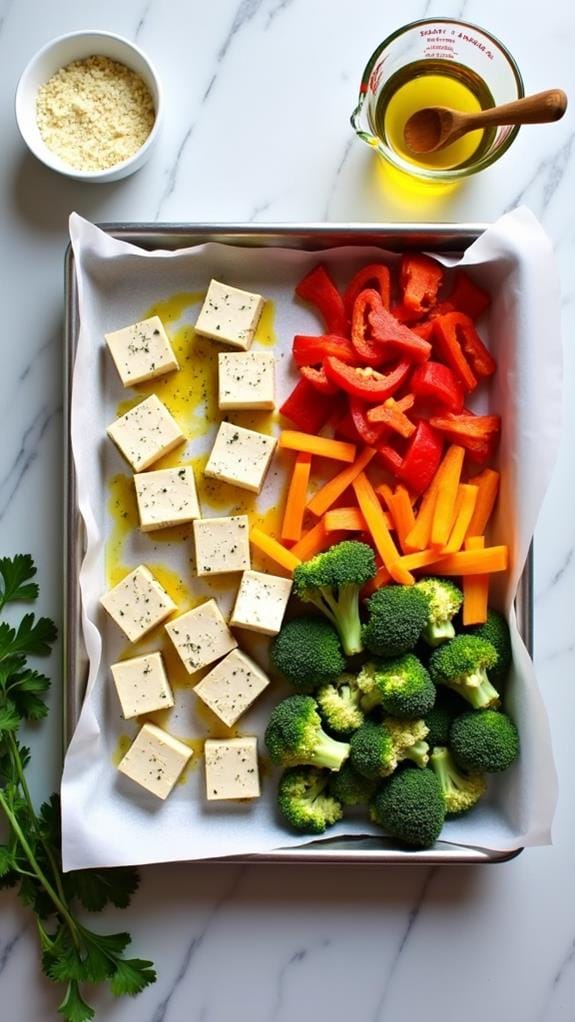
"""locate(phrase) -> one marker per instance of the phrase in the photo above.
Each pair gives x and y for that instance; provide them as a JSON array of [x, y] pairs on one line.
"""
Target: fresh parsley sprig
[[30, 858]]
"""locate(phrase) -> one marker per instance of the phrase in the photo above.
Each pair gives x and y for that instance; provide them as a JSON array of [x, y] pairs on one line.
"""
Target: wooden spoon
[[435, 127]]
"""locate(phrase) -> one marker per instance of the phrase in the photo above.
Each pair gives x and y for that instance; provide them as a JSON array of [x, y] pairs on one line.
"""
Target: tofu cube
[[141, 351], [261, 602], [155, 760], [138, 603], [246, 379], [201, 636], [231, 768], [222, 544], [145, 433], [166, 497], [240, 457], [232, 686], [142, 685], [230, 315]]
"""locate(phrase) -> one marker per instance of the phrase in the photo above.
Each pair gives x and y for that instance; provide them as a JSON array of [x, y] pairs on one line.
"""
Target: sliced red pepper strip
[[455, 331], [466, 296], [344, 429], [424, 329], [390, 333], [367, 304], [319, 290], [306, 408], [479, 434], [420, 278], [422, 457], [370, 433], [375, 275], [390, 458], [366, 382], [403, 314], [438, 381], [311, 351], [446, 345], [318, 379], [392, 414]]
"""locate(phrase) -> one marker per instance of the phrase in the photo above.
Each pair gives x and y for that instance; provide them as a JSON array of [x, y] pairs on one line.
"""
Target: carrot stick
[[296, 498], [381, 578], [402, 515], [475, 589], [322, 446], [315, 540], [278, 553], [465, 506], [377, 525], [420, 559], [420, 535], [329, 493], [385, 491], [446, 496], [349, 519], [474, 562], [487, 483]]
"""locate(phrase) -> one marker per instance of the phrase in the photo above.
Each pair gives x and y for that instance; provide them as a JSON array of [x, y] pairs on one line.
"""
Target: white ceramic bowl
[[59, 53]]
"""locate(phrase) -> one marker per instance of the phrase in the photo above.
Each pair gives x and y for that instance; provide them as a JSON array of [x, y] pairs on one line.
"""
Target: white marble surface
[[258, 97]]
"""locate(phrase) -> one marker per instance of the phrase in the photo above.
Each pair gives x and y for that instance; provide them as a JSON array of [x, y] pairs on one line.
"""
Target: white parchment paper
[[107, 820]]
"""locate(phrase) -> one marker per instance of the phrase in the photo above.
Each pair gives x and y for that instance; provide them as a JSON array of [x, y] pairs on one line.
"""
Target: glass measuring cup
[[438, 45]]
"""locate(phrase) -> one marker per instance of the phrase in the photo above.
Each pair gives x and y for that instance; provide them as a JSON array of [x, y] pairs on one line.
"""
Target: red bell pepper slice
[[466, 297], [319, 290], [439, 382], [479, 434], [344, 429], [370, 433], [392, 414], [391, 459], [404, 315], [422, 457], [390, 333], [306, 408], [319, 381], [446, 344], [311, 351], [462, 347], [366, 309], [420, 278], [366, 383], [375, 275], [424, 329]]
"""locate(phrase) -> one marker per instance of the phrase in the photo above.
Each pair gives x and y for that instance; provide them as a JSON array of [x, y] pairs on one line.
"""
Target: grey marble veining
[[258, 97]]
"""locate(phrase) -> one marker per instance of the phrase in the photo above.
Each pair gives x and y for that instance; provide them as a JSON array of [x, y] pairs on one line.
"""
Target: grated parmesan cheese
[[94, 113]]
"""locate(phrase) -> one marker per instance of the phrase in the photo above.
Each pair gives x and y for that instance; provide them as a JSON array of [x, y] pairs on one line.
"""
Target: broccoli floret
[[409, 806], [331, 581], [305, 802], [397, 617], [484, 741], [339, 704], [294, 736], [444, 601], [496, 631], [350, 788], [460, 791], [462, 664], [376, 749], [307, 652], [448, 705], [401, 686]]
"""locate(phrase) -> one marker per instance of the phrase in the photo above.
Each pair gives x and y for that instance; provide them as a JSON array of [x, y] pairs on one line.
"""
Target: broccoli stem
[[343, 613], [419, 753], [436, 632], [440, 761], [329, 753], [370, 700], [479, 691]]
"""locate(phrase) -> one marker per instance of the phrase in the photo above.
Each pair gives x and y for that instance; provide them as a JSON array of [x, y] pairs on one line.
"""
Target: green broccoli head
[[305, 801], [496, 631], [339, 704], [444, 601], [460, 791], [331, 581], [462, 664], [439, 718], [376, 749], [486, 740], [401, 686], [307, 652], [409, 806], [294, 736], [397, 617], [351, 788]]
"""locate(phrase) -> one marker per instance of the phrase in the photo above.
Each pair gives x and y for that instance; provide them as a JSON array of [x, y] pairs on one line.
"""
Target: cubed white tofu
[[222, 544], [166, 497], [138, 603], [201, 636], [261, 602], [232, 686], [155, 760], [246, 379], [231, 768], [142, 685], [230, 315], [141, 351], [240, 457], [145, 433]]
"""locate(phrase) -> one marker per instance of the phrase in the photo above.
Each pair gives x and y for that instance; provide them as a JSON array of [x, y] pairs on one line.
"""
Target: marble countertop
[[258, 98]]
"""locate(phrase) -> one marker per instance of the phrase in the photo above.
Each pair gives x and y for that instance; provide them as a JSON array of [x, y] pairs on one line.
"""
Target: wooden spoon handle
[[537, 109]]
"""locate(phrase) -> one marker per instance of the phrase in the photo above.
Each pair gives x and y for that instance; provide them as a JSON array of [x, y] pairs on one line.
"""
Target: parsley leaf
[[15, 584], [132, 975], [74, 1008], [97, 888]]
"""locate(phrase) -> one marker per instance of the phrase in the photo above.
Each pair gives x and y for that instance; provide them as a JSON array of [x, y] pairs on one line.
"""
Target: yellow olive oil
[[433, 83]]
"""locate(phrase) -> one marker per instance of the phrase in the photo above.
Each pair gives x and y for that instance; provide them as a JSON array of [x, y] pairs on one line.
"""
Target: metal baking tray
[[397, 237]]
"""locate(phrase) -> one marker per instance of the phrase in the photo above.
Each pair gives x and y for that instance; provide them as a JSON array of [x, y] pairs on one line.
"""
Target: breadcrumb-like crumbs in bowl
[[95, 113]]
